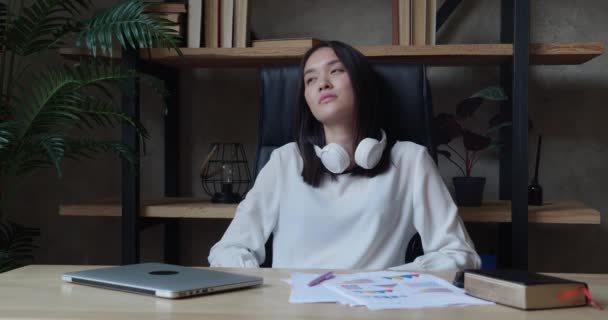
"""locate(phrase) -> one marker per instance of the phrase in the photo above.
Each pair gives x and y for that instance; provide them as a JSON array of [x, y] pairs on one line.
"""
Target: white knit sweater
[[353, 222]]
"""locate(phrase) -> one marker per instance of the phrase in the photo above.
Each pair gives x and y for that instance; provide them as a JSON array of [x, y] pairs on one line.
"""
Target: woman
[[345, 195]]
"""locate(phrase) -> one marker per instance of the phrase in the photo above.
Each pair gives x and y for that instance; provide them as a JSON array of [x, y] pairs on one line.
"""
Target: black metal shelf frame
[[513, 172]]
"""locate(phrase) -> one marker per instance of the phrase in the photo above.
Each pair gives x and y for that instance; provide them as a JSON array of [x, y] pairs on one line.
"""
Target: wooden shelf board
[[162, 208], [492, 211], [440, 55], [564, 53], [566, 212]]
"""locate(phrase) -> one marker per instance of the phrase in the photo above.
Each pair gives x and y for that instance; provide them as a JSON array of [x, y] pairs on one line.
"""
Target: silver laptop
[[162, 280]]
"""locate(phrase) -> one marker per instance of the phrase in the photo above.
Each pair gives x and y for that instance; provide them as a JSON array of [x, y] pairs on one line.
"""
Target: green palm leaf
[[492, 93], [7, 129], [44, 24], [5, 135], [16, 244], [38, 116], [59, 102], [49, 151], [3, 26], [56, 96], [100, 113], [55, 149], [133, 28], [78, 149]]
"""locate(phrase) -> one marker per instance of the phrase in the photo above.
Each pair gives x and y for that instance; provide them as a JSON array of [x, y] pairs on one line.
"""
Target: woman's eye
[[309, 80], [337, 70]]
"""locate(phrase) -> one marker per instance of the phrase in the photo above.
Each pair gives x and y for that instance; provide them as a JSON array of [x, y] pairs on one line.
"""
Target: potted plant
[[449, 127], [50, 114]]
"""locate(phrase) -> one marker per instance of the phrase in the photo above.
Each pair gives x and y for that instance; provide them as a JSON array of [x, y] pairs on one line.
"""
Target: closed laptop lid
[[162, 280]]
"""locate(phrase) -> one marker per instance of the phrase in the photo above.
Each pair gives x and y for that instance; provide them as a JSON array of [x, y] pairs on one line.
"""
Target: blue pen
[[321, 278]]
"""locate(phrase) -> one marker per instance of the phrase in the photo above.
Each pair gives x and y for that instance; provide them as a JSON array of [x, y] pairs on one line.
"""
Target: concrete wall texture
[[567, 105]]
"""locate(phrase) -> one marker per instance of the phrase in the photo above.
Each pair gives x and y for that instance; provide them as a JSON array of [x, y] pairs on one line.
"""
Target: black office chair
[[404, 91]]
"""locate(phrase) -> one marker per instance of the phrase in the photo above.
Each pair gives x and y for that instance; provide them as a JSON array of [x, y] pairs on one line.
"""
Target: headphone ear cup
[[333, 157], [369, 151]]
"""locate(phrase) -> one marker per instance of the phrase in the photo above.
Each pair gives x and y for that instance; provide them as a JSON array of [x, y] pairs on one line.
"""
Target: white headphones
[[367, 155]]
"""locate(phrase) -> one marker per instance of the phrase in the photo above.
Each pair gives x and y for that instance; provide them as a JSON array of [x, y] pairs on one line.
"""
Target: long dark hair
[[369, 114]]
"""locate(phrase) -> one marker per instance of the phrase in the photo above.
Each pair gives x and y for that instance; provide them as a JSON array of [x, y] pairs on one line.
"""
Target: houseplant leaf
[[39, 111], [44, 24], [55, 149], [3, 20], [491, 93], [447, 128], [467, 107], [500, 120], [133, 28], [16, 243], [475, 142], [497, 127]]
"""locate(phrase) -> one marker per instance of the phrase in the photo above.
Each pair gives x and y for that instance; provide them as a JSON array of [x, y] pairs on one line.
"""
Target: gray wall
[[566, 105]]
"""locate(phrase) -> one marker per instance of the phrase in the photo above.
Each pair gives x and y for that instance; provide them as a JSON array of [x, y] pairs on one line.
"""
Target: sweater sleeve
[[445, 241], [242, 245]]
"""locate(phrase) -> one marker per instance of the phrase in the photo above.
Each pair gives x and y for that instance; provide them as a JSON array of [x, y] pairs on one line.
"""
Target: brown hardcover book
[[166, 7], [177, 19], [524, 290], [401, 22], [395, 22], [419, 14], [211, 13], [173, 12], [405, 22], [287, 42]]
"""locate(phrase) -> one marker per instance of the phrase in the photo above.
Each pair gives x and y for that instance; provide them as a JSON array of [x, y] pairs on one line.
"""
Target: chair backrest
[[404, 90]]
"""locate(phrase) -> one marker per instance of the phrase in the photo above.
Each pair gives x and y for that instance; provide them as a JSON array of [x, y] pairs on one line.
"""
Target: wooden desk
[[38, 292]]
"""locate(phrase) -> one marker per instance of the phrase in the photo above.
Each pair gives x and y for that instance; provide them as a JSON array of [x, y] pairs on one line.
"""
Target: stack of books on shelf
[[174, 12], [414, 22], [218, 23]]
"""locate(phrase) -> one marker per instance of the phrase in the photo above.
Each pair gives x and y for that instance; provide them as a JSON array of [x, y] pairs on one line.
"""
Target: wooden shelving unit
[[514, 55], [438, 55], [568, 212]]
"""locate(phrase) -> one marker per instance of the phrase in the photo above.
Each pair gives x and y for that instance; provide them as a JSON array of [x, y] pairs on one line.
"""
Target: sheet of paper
[[302, 293], [398, 290]]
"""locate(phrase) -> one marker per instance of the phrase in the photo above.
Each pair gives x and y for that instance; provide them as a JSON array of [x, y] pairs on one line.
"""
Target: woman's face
[[327, 88]]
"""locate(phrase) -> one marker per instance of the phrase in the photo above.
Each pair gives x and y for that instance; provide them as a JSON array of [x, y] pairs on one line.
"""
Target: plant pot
[[469, 190]]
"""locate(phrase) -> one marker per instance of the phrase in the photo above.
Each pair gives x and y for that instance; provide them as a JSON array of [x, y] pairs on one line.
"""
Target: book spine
[[241, 23], [395, 22], [227, 22], [195, 12], [406, 22], [211, 23], [419, 22]]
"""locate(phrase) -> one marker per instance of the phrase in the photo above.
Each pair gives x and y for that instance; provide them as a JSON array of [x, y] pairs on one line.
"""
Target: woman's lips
[[327, 98]]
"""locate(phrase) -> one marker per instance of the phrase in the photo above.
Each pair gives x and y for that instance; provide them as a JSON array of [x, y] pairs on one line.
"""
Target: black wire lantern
[[225, 174]]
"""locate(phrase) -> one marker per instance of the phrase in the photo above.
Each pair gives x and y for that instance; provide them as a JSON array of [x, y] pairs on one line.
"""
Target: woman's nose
[[324, 84]]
